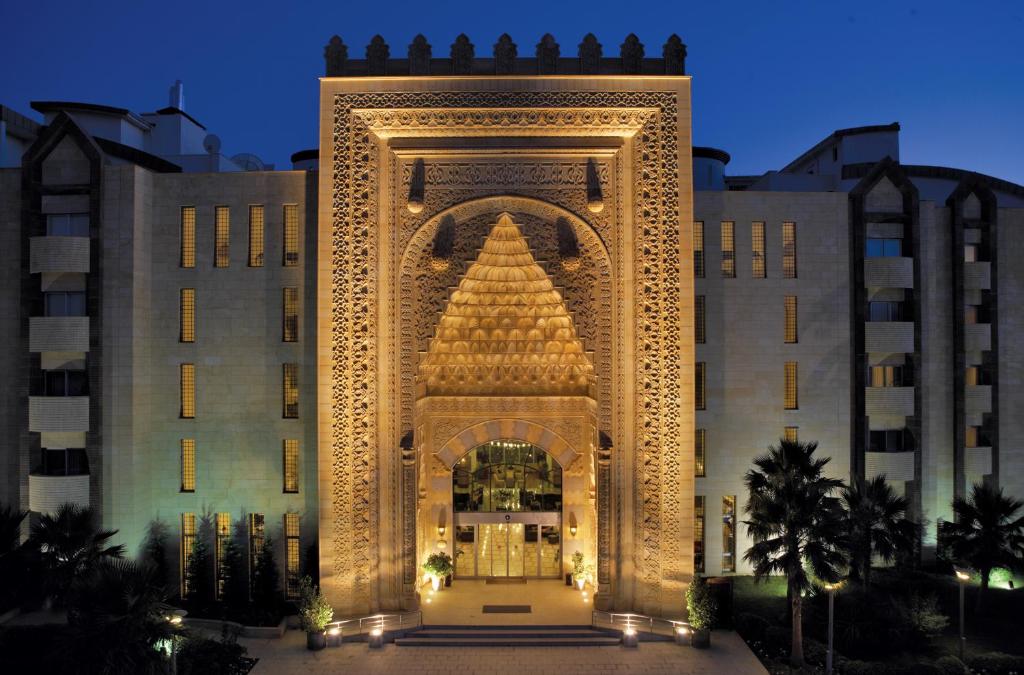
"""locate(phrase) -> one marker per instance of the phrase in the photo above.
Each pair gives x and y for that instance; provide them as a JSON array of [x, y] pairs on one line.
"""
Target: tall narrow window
[[699, 400], [791, 434], [698, 320], [789, 250], [255, 235], [790, 311], [221, 236], [291, 390], [698, 249], [223, 536], [188, 465], [698, 453], [728, 249], [290, 303], [291, 465], [187, 315], [729, 533], [257, 538], [188, 390], [757, 267], [291, 235], [790, 387], [188, 543], [291, 568], [698, 534], [972, 435], [188, 236]]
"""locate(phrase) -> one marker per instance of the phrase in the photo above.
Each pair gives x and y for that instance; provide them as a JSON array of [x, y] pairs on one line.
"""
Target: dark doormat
[[506, 580], [507, 609]]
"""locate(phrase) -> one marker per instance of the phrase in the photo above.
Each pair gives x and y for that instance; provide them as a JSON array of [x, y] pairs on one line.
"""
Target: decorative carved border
[[361, 116]]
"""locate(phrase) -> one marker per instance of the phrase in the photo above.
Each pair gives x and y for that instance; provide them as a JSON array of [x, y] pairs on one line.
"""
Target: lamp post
[[831, 589], [175, 619], [963, 575]]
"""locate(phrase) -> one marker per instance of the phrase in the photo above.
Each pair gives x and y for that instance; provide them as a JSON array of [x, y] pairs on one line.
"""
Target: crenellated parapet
[[505, 59]]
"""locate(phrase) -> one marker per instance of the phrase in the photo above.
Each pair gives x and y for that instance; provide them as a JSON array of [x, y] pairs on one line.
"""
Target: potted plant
[[438, 566], [314, 614], [701, 607], [579, 570]]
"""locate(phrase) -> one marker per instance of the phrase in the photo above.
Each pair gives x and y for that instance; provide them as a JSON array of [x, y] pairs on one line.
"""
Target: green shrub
[[751, 626], [951, 665], [314, 610], [925, 617], [204, 656], [996, 663], [439, 565], [701, 605]]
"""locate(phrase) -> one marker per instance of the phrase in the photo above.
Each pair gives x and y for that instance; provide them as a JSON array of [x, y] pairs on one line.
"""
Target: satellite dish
[[212, 144], [249, 162]]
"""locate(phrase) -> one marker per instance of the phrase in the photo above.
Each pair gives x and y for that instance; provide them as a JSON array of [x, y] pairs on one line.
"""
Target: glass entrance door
[[508, 549], [499, 550]]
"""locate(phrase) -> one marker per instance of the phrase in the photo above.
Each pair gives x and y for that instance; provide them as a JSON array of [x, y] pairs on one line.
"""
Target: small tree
[[199, 578], [876, 525], [154, 551], [314, 610], [236, 587], [266, 591], [701, 605]]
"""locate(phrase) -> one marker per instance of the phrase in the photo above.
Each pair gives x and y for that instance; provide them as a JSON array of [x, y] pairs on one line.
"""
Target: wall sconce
[[441, 530], [416, 187], [595, 197], [572, 524]]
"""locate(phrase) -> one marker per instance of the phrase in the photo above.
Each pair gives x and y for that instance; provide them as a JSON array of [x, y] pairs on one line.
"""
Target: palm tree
[[987, 532], [12, 558], [70, 545], [876, 525], [119, 619], [795, 523], [10, 529]]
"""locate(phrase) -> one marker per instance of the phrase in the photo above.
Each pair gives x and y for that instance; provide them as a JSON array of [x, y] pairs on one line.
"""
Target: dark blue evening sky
[[770, 78]]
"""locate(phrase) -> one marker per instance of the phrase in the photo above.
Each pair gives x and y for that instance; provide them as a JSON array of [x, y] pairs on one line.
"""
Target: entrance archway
[[507, 511]]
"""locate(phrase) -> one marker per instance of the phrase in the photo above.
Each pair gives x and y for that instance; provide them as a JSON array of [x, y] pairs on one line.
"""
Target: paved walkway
[[728, 655], [551, 602]]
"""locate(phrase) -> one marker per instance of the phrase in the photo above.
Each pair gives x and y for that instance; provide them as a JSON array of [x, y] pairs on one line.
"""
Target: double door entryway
[[508, 545]]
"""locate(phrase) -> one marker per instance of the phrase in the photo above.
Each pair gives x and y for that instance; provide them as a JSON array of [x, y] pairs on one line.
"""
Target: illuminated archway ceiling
[[505, 330]]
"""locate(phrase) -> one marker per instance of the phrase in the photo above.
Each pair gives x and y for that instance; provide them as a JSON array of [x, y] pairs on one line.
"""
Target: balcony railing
[[58, 413], [977, 276], [889, 337], [59, 254], [978, 399], [58, 334], [977, 337], [47, 493], [895, 465], [889, 272], [889, 401]]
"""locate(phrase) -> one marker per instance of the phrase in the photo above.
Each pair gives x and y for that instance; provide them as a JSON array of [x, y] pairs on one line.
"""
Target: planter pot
[[448, 580], [568, 578], [435, 583], [700, 638], [315, 641], [580, 583]]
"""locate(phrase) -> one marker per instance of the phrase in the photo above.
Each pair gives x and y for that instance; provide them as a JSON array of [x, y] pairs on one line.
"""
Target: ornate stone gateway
[[568, 339]]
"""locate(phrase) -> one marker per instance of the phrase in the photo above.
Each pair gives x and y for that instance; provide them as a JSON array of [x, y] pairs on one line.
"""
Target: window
[[291, 465], [885, 376], [221, 236], [698, 534], [789, 250], [188, 236], [223, 537], [728, 249], [699, 400], [188, 465], [67, 225], [885, 310], [877, 247], [729, 533], [188, 542], [757, 267], [977, 375], [63, 462], [291, 235], [698, 320], [64, 303], [971, 253], [790, 389], [291, 315], [889, 440], [976, 314], [291, 568], [790, 336], [698, 249], [291, 390], [971, 435], [698, 453], [505, 475], [791, 434], [257, 538], [188, 390], [187, 315], [65, 383], [255, 235]]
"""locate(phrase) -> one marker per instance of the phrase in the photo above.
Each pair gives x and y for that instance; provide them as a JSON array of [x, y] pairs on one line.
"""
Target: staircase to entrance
[[509, 636]]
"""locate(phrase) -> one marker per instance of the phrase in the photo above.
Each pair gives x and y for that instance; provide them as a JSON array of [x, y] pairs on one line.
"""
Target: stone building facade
[[507, 311]]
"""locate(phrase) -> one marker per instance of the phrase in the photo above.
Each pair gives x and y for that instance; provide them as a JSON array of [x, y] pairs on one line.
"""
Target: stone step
[[508, 636]]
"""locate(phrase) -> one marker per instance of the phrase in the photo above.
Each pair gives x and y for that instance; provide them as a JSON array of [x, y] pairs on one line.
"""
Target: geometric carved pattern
[[358, 121]]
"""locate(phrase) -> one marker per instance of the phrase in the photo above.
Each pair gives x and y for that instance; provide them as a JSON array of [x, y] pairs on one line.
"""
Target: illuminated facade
[[507, 311]]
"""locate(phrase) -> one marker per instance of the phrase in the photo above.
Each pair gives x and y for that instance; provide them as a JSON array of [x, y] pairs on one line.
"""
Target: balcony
[[58, 334], [977, 276], [977, 337], [978, 399], [895, 465], [58, 413], [977, 462], [889, 401], [889, 272], [59, 254], [47, 493], [889, 337]]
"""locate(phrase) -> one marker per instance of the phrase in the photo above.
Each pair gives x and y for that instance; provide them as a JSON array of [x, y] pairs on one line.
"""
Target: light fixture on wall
[[572, 524], [441, 529]]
